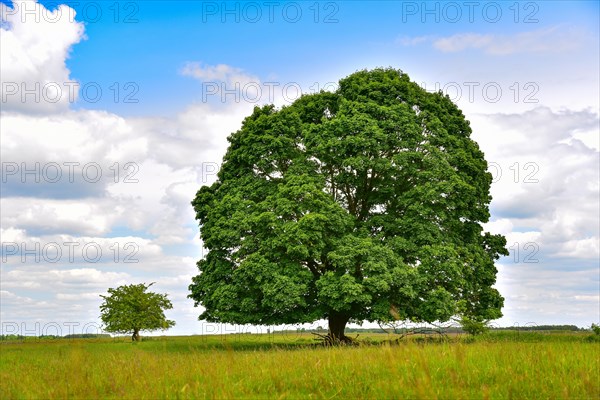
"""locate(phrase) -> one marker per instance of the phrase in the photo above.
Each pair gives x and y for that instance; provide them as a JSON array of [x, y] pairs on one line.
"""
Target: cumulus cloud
[[97, 170], [546, 201], [150, 170], [66, 279], [580, 248], [89, 177], [40, 215], [35, 43], [227, 84], [547, 294], [65, 251], [82, 153], [196, 135], [51, 296], [544, 177]]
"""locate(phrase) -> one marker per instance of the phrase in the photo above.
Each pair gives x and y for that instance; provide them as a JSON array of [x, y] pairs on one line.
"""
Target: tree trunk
[[337, 325], [136, 335]]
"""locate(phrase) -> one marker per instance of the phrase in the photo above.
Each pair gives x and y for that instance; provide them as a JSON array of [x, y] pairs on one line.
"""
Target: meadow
[[498, 365]]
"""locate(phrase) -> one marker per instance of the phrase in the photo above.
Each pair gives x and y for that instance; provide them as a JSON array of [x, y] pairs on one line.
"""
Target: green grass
[[498, 365]]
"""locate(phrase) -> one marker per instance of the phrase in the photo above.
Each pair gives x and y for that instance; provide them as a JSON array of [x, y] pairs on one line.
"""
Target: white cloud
[[74, 136], [580, 248], [226, 84], [60, 216], [35, 44], [549, 214], [541, 295], [463, 41], [220, 72], [55, 296], [12, 234], [557, 39], [501, 226], [196, 135], [545, 180], [413, 41], [172, 158], [150, 170], [591, 298]]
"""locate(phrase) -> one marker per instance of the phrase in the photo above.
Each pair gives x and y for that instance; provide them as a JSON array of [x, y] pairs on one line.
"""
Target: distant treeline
[[71, 336], [541, 328]]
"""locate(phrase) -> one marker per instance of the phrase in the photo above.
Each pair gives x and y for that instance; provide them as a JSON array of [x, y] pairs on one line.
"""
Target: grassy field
[[501, 365]]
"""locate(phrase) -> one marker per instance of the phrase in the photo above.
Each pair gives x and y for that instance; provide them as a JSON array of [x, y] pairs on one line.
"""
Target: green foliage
[[596, 336], [130, 309], [363, 204], [473, 326]]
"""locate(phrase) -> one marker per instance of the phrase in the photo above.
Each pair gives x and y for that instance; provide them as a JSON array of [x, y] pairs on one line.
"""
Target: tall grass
[[261, 366]]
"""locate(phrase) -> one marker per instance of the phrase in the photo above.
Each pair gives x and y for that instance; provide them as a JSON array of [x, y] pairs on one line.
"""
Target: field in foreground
[[501, 365]]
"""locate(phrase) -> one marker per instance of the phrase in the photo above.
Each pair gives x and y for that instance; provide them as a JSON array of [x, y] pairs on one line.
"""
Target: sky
[[113, 114]]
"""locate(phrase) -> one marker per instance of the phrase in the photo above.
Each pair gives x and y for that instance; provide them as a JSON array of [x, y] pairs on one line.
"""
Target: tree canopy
[[361, 204], [130, 309]]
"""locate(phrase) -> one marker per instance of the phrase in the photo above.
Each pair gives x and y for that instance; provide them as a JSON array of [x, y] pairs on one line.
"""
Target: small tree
[[473, 326], [130, 309], [470, 323]]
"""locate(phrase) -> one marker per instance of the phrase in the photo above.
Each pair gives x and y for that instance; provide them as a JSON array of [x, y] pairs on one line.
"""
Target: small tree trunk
[[136, 335], [337, 325]]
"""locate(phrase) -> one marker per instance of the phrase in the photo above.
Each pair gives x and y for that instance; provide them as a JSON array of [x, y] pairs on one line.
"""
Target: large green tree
[[362, 204], [131, 309]]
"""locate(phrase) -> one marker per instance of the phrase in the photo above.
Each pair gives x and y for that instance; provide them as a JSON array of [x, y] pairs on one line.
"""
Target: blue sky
[[525, 74]]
